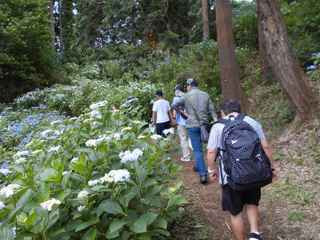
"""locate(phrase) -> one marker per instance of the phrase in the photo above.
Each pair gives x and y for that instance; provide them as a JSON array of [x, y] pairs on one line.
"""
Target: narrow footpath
[[207, 200]]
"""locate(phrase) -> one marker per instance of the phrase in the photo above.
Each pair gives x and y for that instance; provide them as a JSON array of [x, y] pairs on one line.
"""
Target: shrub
[[27, 57], [101, 175]]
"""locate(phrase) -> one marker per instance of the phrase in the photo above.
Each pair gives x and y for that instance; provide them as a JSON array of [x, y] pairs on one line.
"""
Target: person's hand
[[213, 176], [275, 173]]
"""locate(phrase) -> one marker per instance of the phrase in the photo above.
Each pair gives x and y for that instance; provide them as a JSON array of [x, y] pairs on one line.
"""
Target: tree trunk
[[51, 22], [266, 71], [66, 27], [285, 66], [229, 68], [205, 20]]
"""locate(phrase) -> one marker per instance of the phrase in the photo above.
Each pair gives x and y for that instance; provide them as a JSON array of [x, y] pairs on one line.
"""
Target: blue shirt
[[179, 119]]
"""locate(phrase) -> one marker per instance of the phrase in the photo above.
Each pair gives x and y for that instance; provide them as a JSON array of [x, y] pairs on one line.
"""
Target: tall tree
[[90, 21], [265, 66], [205, 19], [51, 21], [283, 63], [229, 68], [66, 27]]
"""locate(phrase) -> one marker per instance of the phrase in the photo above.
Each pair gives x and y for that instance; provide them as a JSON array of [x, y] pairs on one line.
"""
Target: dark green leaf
[[109, 206]]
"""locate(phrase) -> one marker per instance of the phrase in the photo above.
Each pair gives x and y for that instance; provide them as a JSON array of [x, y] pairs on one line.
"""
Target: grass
[[293, 193], [296, 216]]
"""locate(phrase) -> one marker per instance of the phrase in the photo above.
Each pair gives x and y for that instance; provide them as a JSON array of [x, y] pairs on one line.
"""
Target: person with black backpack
[[238, 143]]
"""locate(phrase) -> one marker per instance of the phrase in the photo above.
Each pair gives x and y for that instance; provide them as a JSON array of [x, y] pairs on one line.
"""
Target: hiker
[[161, 114], [239, 143], [180, 117], [199, 109]]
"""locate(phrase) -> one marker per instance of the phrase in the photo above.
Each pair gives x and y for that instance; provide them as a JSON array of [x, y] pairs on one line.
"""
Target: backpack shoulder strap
[[241, 116]]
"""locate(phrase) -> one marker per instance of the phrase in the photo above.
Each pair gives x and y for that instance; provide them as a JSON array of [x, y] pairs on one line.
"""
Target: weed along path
[[206, 200]]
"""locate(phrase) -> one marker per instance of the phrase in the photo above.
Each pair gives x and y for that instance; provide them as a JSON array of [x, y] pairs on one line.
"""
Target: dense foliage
[[27, 57], [99, 175]]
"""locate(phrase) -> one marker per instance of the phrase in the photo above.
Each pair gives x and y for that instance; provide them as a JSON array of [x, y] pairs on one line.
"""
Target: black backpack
[[244, 160]]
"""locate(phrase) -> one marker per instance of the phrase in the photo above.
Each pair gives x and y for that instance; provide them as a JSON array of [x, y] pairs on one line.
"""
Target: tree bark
[[229, 68], [284, 64], [205, 20], [266, 71], [51, 22], [66, 27]]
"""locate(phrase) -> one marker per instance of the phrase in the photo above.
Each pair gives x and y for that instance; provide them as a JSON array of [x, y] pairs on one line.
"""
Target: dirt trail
[[207, 199]]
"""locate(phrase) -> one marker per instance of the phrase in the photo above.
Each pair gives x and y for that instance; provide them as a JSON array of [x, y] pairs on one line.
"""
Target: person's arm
[[154, 114], [213, 149], [170, 116], [266, 147], [170, 113], [154, 118], [212, 111], [178, 102], [268, 150], [211, 158], [174, 113]]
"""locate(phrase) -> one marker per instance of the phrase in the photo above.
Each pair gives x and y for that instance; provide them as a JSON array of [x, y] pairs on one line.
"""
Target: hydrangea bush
[[99, 175]]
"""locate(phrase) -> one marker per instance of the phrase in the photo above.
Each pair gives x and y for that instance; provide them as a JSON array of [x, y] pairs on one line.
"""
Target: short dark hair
[[159, 93], [178, 87], [230, 106], [192, 82]]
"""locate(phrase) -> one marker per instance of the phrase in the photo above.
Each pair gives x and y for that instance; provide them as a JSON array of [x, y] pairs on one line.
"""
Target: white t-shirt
[[161, 107]]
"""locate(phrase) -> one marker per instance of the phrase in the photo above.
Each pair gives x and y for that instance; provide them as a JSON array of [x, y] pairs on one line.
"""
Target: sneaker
[[254, 236], [183, 159], [204, 179]]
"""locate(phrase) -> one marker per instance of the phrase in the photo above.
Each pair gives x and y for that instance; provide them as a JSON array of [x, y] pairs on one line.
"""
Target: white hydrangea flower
[[83, 194], [65, 173], [106, 179], [2, 205], [92, 183], [5, 171], [129, 156], [95, 114], [48, 205], [97, 105], [56, 122], [74, 160], [126, 129], [96, 142], [54, 149], [73, 119], [9, 190], [142, 136], [50, 134], [168, 131], [20, 160], [88, 120], [114, 110], [117, 136], [36, 152], [21, 154], [137, 122], [81, 208], [156, 137], [120, 175], [95, 124]]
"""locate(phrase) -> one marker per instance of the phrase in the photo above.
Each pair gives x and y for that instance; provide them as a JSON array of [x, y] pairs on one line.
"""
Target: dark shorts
[[162, 126], [234, 201]]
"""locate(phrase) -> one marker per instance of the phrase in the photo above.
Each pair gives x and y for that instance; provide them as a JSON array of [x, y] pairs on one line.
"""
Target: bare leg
[[253, 217], [238, 226]]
